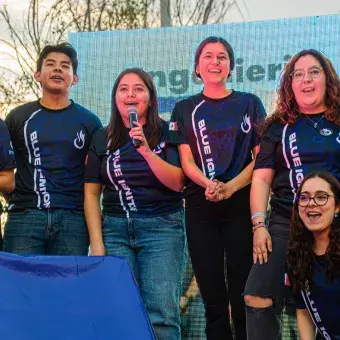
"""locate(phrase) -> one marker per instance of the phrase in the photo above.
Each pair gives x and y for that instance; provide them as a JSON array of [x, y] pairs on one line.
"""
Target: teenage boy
[[51, 137]]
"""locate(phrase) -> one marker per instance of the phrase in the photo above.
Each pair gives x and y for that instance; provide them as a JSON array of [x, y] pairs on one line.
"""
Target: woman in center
[[142, 216], [217, 139]]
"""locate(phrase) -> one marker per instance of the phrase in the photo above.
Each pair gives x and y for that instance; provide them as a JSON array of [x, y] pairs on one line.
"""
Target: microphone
[[133, 117]]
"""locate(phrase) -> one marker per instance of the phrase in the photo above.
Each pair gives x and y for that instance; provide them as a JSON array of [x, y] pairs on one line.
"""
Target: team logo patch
[[79, 142], [326, 132], [246, 125], [338, 138], [173, 126], [11, 151]]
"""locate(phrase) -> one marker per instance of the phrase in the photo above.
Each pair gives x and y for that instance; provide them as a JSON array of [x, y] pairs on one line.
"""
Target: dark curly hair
[[300, 247], [287, 110], [115, 128]]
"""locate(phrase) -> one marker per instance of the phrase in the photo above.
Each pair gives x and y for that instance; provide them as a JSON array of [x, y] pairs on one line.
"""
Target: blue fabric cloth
[[70, 297]]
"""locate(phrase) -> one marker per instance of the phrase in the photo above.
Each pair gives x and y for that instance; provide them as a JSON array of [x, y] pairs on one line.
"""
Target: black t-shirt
[[323, 299], [221, 132], [294, 151], [50, 147], [7, 160], [131, 188]]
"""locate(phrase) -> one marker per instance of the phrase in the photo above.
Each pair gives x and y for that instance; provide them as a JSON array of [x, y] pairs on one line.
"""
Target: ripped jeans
[[268, 281]]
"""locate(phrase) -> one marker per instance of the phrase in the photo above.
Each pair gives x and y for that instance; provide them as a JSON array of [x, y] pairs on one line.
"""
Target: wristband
[[259, 226], [259, 214], [258, 223]]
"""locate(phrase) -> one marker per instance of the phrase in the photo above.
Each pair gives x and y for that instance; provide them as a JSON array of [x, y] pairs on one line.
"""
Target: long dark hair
[[116, 129], [300, 248], [287, 109]]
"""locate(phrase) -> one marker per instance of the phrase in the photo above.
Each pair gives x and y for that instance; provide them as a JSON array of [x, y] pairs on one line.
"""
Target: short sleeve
[[299, 302], [7, 160], [94, 158], [259, 118], [172, 155], [170, 150], [176, 133], [97, 124], [266, 158], [93, 126]]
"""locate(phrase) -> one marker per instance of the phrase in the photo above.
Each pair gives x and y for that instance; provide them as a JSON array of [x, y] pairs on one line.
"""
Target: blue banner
[[70, 298]]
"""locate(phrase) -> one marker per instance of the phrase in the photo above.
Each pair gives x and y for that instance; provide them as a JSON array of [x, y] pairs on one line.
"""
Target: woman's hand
[[211, 191], [97, 249], [138, 134], [184, 304], [189, 295], [262, 243], [220, 191], [226, 190]]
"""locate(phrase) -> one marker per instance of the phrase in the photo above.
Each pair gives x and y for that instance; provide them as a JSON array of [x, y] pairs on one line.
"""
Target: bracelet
[[259, 226], [259, 223], [259, 214]]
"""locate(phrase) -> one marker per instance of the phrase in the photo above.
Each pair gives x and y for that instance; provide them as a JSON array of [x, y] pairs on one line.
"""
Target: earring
[[336, 215]]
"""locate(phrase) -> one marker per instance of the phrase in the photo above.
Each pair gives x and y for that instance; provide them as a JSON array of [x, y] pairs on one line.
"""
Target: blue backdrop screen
[[261, 49]]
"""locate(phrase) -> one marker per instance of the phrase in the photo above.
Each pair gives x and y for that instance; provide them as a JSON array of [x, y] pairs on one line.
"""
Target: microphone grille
[[132, 109]]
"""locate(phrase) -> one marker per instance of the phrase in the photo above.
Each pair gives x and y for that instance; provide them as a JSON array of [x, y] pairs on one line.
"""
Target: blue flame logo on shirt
[[338, 138], [326, 132], [246, 125], [10, 151], [79, 142]]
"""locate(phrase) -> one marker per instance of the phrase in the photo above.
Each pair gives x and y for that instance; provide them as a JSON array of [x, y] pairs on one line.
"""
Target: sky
[[245, 10], [274, 9]]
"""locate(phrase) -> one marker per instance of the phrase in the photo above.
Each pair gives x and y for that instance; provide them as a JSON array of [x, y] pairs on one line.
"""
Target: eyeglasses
[[319, 199], [313, 72]]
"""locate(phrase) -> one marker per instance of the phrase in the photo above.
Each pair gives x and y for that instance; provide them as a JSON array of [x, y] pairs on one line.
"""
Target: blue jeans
[[155, 248], [47, 232]]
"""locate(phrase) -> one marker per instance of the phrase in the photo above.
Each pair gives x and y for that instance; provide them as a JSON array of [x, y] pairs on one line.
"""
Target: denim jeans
[[155, 248], [47, 232]]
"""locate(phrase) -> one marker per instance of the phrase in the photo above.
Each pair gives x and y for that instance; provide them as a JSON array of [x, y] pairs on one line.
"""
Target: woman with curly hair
[[313, 258], [302, 135]]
